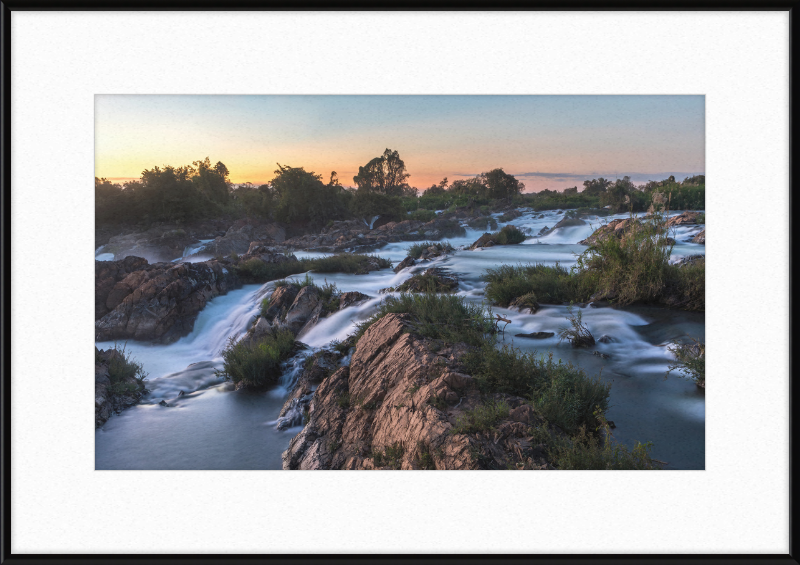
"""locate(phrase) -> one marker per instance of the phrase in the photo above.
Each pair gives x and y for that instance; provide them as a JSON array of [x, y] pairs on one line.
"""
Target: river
[[211, 426]]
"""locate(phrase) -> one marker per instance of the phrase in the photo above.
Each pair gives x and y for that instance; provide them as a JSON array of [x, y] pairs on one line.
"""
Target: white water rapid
[[211, 426]]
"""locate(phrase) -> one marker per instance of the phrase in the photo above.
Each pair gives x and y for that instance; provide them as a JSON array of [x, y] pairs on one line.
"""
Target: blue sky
[[548, 141]]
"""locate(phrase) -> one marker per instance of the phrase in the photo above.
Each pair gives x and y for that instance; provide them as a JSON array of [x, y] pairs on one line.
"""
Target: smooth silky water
[[211, 426]]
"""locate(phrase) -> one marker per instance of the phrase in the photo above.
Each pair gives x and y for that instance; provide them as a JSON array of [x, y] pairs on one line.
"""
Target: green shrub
[[422, 215], [415, 251], [391, 456], [633, 268], [701, 218], [690, 360], [576, 333], [585, 451], [560, 392], [256, 362], [424, 457], [425, 282], [510, 235], [437, 316], [481, 418], [629, 269], [550, 284], [122, 367]]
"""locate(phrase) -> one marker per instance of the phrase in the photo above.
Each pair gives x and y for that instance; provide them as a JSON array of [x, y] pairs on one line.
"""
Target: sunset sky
[[546, 141]]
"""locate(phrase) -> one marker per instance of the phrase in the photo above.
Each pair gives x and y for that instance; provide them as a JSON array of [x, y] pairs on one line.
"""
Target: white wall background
[[738, 60]]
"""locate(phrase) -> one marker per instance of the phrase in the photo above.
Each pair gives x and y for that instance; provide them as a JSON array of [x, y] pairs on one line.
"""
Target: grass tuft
[[256, 362]]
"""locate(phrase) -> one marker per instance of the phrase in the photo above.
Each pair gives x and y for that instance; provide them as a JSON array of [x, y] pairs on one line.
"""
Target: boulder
[[700, 238], [156, 302], [394, 408], [350, 298], [537, 335], [407, 262], [305, 309], [686, 218]]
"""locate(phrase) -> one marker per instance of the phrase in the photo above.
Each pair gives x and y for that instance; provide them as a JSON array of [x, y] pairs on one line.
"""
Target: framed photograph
[[330, 241]]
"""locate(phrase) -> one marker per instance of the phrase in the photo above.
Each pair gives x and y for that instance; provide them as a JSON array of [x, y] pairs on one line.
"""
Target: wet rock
[[565, 223], [160, 243], [537, 335], [241, 235], [686, 218], [107, 274], [405, 263], [305, 309], [700, 238], [602, 355], [394, 407], [280, 301], [156, 302], [606, 339], [617, 228], [351, 298]]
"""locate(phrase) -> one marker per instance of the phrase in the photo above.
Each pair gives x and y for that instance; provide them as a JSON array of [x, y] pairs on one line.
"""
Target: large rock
[[241, 234], [700, 238], [617, 228], [160, 243], [305, 309], [106, 276], [686, 218], [407, 262], [395, 407], [154, 302]]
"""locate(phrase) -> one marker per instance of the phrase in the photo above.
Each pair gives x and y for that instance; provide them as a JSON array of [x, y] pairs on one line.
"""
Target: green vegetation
[[256, 362], [509, 235], [426, 282], [593, 451], [126, 374], [424, 457], [415, 251], [481, 418], [576, 333], [560, 392], [422, 215], [633, 268], [391, 456], [548, 284], [444, 317], [690, 360], [257, 271]]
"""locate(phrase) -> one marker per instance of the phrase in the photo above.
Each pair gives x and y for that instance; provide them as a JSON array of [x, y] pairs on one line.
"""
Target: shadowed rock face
[[397, 394], [353, 234], [135, 300], [700, 237]]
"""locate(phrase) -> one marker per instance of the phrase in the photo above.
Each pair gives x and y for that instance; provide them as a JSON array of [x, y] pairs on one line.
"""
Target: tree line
[[297, 197]]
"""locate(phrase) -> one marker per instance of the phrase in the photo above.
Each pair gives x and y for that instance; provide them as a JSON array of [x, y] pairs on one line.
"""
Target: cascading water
[[210, 426]]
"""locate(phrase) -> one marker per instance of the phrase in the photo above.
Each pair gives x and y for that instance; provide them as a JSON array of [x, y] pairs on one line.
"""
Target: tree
[[436, 188], [596, 186], [385, 175], [303, 198], [212, 181], [500, 184]]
